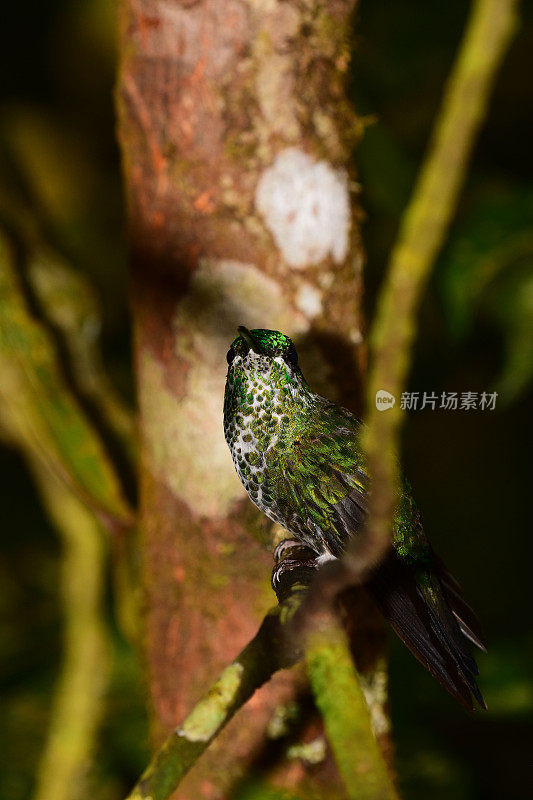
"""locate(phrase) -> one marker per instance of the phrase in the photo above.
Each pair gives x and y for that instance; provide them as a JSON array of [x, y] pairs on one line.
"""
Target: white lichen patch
[[209, 714], [355, 336], [375, 690], [313, 752], [309, 300], [305, 204], [283, 717], [185, 434]]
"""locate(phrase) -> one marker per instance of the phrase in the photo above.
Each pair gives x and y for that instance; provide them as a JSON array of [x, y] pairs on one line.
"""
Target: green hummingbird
[[299, 458]]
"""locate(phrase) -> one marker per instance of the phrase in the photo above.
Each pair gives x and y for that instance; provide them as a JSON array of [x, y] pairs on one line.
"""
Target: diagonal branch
[[48, 419], [422, 233], [78, 701], [421, 236], [278, 645], [423, 230], [347, 719], [264, 655]]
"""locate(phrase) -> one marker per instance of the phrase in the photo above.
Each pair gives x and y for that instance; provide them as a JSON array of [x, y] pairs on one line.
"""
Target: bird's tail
[[430, 615]]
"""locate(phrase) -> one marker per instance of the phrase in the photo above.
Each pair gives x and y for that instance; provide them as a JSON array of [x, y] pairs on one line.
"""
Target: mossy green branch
[[422, 234], [69, 304], [64, 296], [78, 704], [339, 697], [264, 655], [48, 418], [337, 693], [79, 489], [335, 683]]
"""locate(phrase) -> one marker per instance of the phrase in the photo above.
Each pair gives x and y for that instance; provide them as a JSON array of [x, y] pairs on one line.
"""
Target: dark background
[[470, 470]]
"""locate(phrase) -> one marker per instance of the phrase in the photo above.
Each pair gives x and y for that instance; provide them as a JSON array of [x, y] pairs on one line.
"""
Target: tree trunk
[[236, 136]]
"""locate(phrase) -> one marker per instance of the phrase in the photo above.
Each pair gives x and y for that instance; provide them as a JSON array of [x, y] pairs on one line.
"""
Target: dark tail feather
[[464, 615], [427, 626]]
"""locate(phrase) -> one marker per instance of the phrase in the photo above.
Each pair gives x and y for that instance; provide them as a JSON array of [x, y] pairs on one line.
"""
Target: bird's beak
[[250, 339]]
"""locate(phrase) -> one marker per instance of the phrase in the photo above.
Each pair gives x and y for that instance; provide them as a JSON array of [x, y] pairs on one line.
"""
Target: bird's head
[[263, 362]]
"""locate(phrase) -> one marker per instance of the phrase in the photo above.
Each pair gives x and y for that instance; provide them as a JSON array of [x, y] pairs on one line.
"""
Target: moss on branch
[[264, 655], [47, 417], [341, 701], [80, 490], [78, 703]]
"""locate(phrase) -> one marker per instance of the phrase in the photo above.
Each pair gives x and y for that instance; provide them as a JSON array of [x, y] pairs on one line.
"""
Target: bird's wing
[[324, 476], [323, 484]]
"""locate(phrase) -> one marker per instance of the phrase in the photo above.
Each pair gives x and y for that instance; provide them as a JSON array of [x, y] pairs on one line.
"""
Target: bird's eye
[[292, 356], [230, 355]]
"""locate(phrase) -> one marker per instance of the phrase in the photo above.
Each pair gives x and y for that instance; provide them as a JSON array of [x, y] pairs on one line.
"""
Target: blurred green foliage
[[60, 184], [487, 274]]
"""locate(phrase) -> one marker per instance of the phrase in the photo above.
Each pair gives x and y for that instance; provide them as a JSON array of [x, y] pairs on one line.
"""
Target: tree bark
[[226, 112]]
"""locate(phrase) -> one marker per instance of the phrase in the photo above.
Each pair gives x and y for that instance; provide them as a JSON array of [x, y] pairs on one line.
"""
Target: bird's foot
[[295, 567], [283, 546]]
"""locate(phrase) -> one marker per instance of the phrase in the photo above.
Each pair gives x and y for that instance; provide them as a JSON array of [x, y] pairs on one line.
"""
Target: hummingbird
[[299, 457]]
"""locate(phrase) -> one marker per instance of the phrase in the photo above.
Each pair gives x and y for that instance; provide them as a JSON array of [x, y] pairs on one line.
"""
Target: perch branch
[[275, 647], [264, 655]]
